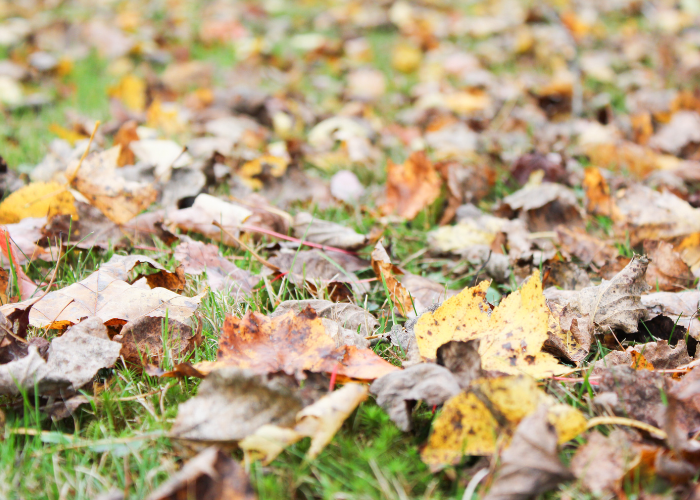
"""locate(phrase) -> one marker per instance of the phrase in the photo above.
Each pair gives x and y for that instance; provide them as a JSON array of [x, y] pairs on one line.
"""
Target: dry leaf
[[38, 199], [667, 271], [588, 249], [308, 228], [125, 136], [544, 207], [598, 198], [412, 186], [462, 359], [530, 466], [614, 304], [397, 393], [292, 343], [476, 421], [211, 475], [603, 461], [198, 258], [347, 316], [73, 361], [146, 339], [99, 181], [511, 336], [107, 295], [682, 307], [385, 271]]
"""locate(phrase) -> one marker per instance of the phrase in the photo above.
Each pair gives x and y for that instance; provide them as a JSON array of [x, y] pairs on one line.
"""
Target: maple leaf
[[291, 343], [512, 335], [106, 294]]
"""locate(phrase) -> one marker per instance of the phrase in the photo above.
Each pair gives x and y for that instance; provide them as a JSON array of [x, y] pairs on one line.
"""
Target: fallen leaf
[[603, 461], [125, 136], [614, 304], [146, 340], [131, 90], [682, 307], [462, 359], [211, 475], [412, 186], [347, 316], [385, 272], [25, 285], [198, 258], [544, 207], [23, 240], [73, 360], [528, 163], [106, 294], [478, 420], [530, 466], [586, 248], [307, 228], [291, 343], [346, 186], [38, 199], [98, 180], [165, 155], [398, 392], [511, 337], [319, 421], [598, 198], [667, 271]]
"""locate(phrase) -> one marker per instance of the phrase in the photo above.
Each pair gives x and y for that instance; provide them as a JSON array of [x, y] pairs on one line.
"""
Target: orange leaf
[[412, 186]]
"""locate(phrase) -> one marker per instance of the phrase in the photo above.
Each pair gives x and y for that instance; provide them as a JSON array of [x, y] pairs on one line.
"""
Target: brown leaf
[[385, 271], [632, 394], [398, 392], [73, 361], [143, 340], [222, 274], [528, 163], [602, 462], [667, 271], [309, 228], [98, 180], [291, 343], [348, 316], [598, 198], [462, 359], [681, 307], [588, 249], [466, 183], [124, 136], [530, 466], [211, 475], [107, 295], [544, 207], [411, 186], [614, 304]]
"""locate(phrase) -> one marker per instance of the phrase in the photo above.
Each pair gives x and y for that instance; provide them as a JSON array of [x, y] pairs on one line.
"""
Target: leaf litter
[[487, 212]]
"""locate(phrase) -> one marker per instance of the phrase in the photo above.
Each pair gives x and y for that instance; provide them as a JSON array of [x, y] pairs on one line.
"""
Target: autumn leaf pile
[[481, 217]]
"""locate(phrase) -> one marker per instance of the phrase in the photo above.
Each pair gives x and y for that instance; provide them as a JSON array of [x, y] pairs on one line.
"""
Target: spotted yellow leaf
[[512, 335], [38, 199]]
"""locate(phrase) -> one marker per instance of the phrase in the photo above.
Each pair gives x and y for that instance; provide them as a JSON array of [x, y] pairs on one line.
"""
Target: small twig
[[73, 174], [655, 431]]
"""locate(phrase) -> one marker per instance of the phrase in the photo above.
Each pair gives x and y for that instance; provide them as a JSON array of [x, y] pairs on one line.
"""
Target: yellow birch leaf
[[38, 199], [131, 90], [483, 419], [511, 337]]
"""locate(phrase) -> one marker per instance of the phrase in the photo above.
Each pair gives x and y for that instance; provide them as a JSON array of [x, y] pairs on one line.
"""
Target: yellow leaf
[[484, 418], [131, 90], [406, 58], [511, 337], [67, 135], [38, 199], [253, 173]]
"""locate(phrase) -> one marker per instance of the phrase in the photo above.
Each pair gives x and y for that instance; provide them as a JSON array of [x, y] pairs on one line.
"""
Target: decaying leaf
[[477, 421], [385, 271], [291, 343], [544, 207], [211, 475], [530, 466], [603, 461], [107, 295], [319, 421], [308, 228], [667, 271], [97, 179], [585, 247], [39, 199], [347, 316], [511, 336], [412, 186], [598, 198], [614, 304], [146, 339], [462, 359], [198, 258], [73, 361], [399, 392]]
